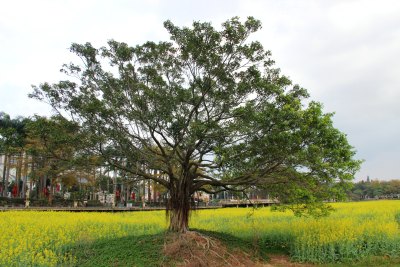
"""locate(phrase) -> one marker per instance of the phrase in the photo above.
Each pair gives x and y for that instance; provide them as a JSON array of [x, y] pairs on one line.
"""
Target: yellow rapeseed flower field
[[353, 231]]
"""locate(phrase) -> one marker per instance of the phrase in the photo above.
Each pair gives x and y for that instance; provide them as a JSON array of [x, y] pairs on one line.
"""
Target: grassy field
[[363, 232]]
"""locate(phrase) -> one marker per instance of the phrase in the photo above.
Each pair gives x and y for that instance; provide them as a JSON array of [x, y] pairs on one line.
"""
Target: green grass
[[143, 250], [373, 261]]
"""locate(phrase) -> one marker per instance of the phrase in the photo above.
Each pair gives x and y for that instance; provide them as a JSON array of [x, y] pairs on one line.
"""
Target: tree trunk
[[179, 208], [149, 191], [25, 174], [115, 187], [33, 177], [127, 192], [18, 172], [154, 188], [4, 175], [144, 191], [9, 160]]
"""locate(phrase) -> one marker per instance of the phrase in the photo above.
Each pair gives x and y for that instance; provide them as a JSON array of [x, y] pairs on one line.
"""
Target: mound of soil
[[194, 249]]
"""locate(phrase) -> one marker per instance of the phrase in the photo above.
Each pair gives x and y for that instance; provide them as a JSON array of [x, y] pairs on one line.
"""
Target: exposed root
[[195, 249]]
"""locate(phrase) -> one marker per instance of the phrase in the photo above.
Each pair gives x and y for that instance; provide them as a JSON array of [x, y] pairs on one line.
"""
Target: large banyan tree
[[208, 111]]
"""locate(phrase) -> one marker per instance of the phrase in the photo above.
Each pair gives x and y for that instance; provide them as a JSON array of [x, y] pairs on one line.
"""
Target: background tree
[[59, 154], [208, 99], [375, 189], [12, 146]]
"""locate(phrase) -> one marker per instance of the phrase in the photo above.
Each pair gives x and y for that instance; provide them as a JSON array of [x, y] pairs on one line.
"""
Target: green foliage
[[311, 208], [12, 133], [79, 195], [208, 111], [375, 189]]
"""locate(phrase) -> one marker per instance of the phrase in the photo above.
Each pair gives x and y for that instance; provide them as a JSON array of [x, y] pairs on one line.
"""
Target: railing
[[247, 203]]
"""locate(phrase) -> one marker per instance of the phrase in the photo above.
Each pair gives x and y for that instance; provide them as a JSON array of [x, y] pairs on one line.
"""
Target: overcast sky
[[346, 53]]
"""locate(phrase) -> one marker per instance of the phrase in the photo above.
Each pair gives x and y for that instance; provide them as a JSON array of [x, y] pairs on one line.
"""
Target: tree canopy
[[208, 111]]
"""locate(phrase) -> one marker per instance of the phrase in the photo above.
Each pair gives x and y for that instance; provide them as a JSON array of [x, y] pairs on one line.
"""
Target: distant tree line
[[375, 189], [42, 158], [38, 153]]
